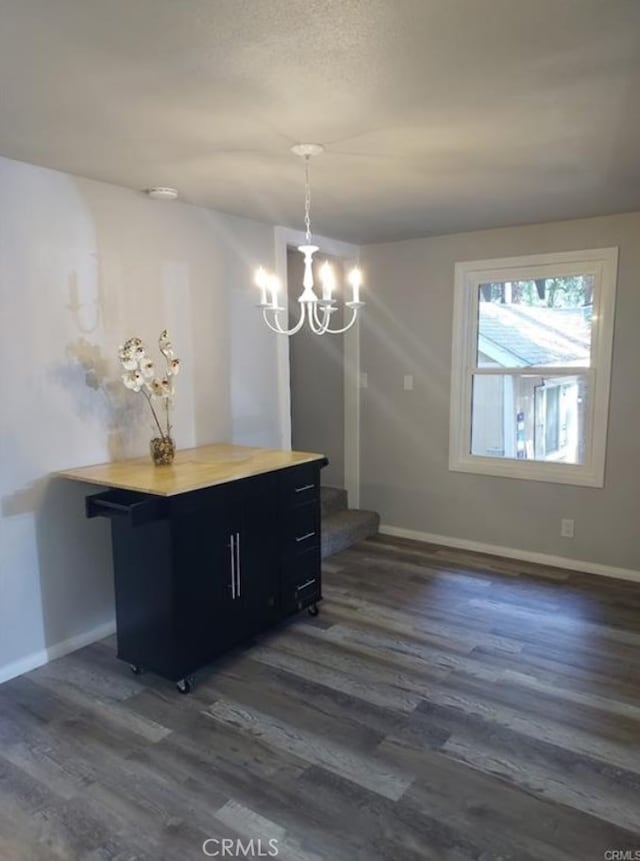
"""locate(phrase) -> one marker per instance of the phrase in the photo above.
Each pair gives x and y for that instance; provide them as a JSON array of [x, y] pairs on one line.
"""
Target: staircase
[[343, 526]]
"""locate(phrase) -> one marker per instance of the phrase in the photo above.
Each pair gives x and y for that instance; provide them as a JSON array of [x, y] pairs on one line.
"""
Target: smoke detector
[[162, 192]]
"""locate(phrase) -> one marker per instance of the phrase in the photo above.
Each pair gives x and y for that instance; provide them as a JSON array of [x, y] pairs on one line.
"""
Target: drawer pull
[[306, 585], [306, 487], [305, 537]]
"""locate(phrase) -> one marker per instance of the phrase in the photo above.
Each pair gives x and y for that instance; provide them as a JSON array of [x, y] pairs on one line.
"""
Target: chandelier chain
[[307, 200]]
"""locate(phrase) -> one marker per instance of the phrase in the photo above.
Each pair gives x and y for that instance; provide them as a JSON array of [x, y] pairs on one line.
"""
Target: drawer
[[302, 582], [302, 568], [300, 484], [299, 597], [136, 508], [301, 529]]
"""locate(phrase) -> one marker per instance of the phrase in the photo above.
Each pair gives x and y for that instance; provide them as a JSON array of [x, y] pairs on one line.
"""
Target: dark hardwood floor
[[443, 705]]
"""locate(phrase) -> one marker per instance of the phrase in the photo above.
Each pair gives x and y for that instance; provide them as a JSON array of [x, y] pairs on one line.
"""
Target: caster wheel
[[136, 670], [183, 686], [313, 610]]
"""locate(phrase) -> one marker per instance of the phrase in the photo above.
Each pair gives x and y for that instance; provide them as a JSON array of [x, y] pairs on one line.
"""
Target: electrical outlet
[[364, 380], [408, 382], [566, 528]]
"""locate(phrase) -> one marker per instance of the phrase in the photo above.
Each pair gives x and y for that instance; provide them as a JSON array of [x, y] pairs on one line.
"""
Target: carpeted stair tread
[[343, 528], [332, 500]]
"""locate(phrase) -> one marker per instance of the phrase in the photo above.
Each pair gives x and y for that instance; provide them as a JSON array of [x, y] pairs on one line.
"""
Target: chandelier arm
[[312, 319], [300, 322], [354, 317], [319, 327], [277, 328]]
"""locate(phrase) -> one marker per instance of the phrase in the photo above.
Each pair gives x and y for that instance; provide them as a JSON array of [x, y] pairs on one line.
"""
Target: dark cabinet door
[[208, 613], [257, 536]]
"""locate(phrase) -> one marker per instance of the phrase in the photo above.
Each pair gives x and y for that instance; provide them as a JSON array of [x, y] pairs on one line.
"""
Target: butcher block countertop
[[192, 469]]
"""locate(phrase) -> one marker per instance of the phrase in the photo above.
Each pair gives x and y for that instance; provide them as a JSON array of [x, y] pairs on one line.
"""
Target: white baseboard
[[57, 650], [515, 553]]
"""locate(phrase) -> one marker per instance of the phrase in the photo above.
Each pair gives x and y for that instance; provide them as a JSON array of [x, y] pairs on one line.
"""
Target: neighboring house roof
[[520, 335]]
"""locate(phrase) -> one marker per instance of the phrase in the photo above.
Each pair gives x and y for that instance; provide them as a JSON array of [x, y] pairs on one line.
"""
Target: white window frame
[[602, 264]]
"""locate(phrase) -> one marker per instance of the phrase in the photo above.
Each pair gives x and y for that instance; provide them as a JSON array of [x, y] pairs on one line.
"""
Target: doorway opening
[[316, 374], [323, 380]]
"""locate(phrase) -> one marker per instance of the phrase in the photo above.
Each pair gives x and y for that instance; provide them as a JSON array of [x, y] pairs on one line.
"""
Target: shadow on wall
[[60, 562], [77, 308], [73, 554], [85, 374], [73, 559]]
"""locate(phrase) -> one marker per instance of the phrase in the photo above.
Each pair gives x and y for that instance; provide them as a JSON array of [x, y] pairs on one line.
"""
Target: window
[[531, 365]]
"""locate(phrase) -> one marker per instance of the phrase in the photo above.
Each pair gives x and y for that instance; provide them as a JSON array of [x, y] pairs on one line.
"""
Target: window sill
[[529, 470]]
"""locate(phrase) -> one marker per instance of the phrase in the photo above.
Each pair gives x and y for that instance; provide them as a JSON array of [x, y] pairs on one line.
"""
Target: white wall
[[406, 329], [83, 266]]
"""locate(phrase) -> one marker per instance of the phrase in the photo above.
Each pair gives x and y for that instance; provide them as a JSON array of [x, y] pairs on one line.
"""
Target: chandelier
[[316, 312]]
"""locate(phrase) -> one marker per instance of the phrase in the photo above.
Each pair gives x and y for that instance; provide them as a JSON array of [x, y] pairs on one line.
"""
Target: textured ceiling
[[437, 115]]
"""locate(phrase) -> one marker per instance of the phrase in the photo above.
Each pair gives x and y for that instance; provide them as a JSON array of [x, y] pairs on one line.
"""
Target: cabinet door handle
[[304, 537], [306, 487], [232, 548], [238, 562]]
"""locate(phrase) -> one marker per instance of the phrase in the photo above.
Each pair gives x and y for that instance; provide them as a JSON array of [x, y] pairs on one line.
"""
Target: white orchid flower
[[164, 342], [156, 388], [133, 380], [140, 370], [129, 346]]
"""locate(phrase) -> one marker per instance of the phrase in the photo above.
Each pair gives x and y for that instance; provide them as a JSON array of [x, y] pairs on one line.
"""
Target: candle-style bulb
[[328, 281], [261, 279], [355, 279], [274, 286]]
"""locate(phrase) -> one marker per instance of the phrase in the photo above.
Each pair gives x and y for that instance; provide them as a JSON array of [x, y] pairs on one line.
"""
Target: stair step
[[344, 528], [332, 500]]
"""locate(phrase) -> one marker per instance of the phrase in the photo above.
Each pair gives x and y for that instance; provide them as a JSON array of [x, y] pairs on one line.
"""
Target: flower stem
[[166, 403], [148, 397], [166, 407]]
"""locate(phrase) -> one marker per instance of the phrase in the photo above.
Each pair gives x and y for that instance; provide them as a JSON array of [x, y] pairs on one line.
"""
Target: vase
[[163, 450]]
